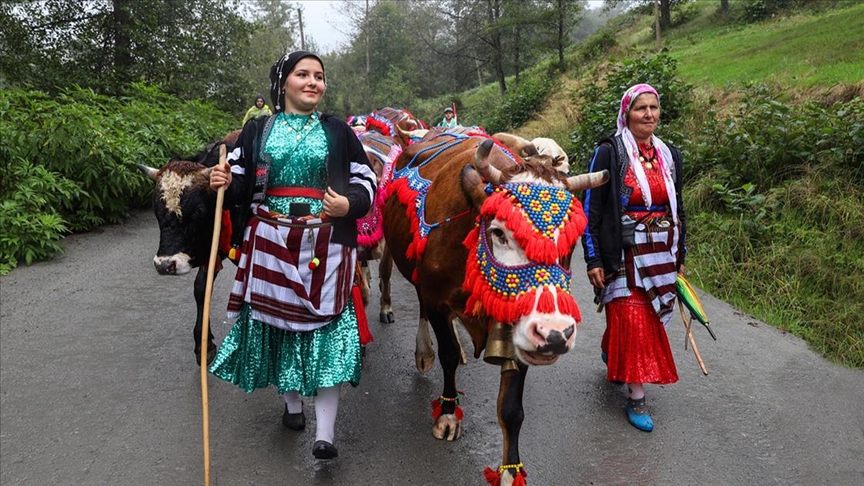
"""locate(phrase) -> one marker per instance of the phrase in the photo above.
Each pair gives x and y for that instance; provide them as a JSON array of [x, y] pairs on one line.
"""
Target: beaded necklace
[[647, 155], [310, 123]]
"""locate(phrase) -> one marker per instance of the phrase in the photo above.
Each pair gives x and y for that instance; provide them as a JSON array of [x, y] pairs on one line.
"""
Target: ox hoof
[[386, 318], [447, 427], [424, 363]]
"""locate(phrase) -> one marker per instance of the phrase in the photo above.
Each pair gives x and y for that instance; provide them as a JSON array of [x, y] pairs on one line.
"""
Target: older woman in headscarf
[[634, 247], [297, 183]]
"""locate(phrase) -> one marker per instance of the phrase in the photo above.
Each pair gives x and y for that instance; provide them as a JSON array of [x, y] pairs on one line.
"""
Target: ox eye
[[498, 233]]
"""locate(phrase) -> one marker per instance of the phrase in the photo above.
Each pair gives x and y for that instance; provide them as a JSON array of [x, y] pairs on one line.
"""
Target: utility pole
[[657, 23], [302, 36]]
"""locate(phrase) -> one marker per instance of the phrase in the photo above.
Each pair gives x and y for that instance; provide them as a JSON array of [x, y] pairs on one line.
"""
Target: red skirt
[[635, 342]]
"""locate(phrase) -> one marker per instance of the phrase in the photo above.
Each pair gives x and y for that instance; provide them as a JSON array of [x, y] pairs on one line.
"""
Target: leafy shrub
[[519, 105], [30, 214], [766, 141], [93, 142], [597, 44]]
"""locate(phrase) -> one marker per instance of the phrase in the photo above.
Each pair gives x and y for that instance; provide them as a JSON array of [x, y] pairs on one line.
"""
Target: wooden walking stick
[[205, 321], [690, 337]]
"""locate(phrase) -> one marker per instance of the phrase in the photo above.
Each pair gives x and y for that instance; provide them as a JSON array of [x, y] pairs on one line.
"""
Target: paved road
[[98, 385]]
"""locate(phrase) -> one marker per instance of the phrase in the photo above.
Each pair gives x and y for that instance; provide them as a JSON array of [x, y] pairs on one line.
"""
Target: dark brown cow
[[382, 152], [516, 281]]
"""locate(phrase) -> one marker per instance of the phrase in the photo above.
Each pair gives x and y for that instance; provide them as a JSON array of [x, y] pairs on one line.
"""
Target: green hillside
[[804, 51]]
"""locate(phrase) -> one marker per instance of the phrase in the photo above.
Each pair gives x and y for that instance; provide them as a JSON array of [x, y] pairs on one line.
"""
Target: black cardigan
[[343, 148], [601, 241]]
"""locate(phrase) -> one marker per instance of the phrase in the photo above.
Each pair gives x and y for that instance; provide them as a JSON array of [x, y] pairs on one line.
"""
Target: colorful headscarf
[[280, 71], [664, 158]]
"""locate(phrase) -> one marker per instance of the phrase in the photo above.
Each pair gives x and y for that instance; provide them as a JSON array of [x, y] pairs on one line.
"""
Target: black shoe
[[324, 450], [294, 421]]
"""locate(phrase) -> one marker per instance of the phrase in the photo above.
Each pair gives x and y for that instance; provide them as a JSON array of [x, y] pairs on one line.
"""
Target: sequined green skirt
[[256, 355]]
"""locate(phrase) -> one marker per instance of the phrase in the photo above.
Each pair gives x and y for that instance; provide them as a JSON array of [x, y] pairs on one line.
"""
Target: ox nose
[[553, 340], [166, 267]]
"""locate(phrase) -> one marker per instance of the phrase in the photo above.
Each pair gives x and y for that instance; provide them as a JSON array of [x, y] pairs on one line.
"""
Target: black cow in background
[[185, 208]]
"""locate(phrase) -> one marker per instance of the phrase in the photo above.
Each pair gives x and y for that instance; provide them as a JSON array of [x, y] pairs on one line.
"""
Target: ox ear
[[148, 171], [473, 186], [516, 143], [587, 181]]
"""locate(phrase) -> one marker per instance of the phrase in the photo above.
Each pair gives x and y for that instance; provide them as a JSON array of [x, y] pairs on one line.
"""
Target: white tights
[[326, 408], [636, 390]]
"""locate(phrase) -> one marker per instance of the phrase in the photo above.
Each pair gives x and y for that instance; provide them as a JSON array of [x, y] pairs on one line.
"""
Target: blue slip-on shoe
[[604, 357], [638, 414]]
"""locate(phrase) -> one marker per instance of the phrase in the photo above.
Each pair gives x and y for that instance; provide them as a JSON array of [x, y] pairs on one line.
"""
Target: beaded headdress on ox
[[280, 70], [546, 222]]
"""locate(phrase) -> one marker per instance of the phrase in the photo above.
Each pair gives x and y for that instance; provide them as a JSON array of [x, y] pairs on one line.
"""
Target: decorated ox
[[184, 206], [495, 255], [424, 353]]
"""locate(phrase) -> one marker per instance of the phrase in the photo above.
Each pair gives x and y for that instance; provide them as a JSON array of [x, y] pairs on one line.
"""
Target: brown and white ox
[[424, 353], [496, 257], [185, 206]]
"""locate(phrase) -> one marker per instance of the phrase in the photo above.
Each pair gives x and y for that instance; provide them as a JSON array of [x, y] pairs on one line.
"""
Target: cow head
[[184, 206], [519, 252]]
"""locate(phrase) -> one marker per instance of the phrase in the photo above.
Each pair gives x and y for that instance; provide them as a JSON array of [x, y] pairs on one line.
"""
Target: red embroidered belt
[[285, 191]]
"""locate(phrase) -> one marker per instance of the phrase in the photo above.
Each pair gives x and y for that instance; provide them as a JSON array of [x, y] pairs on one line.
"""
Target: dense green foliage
[[69, 161]]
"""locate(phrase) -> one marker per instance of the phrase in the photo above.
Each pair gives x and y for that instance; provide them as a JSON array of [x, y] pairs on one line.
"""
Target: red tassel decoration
[[362, 321], [546, 302], [437, 408], [492, 477]]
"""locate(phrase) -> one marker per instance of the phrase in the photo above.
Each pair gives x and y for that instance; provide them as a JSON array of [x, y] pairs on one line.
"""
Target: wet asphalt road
[[98, 386]]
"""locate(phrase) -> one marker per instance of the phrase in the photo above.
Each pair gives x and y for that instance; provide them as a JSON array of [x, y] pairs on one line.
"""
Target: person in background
[[448, 121], [634, 244], [257, 110], [297, 182]]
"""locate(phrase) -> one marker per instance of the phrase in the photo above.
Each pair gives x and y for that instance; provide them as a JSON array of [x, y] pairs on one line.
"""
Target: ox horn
[[402, 133], [587, 181], [481, 162], [499, 344], [148, 171]]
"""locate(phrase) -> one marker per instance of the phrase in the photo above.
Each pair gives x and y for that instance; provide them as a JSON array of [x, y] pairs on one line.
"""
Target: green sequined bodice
[[297, 146]]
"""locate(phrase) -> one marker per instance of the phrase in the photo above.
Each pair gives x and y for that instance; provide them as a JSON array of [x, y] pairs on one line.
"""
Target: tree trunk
[[122, 43], [516, 45], [497, 49], [724, 6], [368, 64], [562, 14], [665, 13]]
